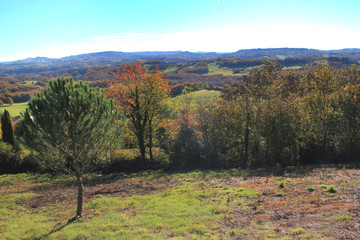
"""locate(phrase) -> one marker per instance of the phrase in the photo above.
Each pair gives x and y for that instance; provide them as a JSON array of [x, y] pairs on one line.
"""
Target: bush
[[331, 189], [279, 194], [129, 160], [187, 150], [16, 160], [310, 188], [5, 147]]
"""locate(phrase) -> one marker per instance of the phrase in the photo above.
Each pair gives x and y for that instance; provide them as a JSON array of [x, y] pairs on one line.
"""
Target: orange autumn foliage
[[141, 95], [134, 85]]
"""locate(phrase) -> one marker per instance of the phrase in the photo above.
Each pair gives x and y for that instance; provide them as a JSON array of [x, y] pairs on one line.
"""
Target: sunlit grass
[[171, 69], [215, 69], [223, 71], [29, 82], [15, 109], [202, 96], [192, 209], [186, 210], [292, 68]]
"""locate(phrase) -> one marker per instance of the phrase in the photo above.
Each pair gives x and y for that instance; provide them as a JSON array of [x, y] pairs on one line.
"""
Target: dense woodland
[[273, 116]]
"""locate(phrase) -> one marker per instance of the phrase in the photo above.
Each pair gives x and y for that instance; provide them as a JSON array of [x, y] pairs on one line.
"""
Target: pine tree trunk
[[79, 182]]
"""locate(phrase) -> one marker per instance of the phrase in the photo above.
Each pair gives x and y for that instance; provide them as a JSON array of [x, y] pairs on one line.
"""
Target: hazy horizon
[[56, 29], [173, 51]]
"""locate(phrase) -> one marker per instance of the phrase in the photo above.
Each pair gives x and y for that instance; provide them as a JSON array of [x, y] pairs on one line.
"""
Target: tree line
[[284, 118]]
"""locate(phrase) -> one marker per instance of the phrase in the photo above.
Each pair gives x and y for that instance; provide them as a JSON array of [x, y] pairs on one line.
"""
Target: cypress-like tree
[[7, 129], [74, 126], [187, 149]]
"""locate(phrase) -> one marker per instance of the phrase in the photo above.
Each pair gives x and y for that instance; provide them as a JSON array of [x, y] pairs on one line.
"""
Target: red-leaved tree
[[141, 96]]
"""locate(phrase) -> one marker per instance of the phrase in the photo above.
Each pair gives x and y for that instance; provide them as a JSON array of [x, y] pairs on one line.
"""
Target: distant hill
[[276, 53], [173, 62], [113, 58], [109, 57]]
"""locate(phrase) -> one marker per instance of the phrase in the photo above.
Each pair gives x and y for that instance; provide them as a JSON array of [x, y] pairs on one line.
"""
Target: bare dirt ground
[[303, 205]]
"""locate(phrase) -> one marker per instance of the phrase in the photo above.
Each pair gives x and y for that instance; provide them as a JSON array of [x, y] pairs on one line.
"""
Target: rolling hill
[[40, 64]]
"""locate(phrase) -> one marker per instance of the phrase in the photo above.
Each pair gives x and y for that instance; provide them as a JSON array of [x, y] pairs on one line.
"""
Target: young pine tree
[[73, 126]]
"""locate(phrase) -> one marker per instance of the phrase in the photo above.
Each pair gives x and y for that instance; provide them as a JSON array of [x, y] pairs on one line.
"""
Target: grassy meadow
[[14, 109], [202, 96], [233, 204], [215, 69]]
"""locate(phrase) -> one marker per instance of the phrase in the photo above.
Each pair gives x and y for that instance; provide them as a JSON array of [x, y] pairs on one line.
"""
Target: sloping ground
[[201, 96], [298, 204], [15, 109]]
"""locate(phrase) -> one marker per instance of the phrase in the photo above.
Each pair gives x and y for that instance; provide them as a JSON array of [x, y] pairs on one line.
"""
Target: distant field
[[293, 68], [215, 69], [171, 69], [281, 57], [29, 82], [203, 96], [14, 109]]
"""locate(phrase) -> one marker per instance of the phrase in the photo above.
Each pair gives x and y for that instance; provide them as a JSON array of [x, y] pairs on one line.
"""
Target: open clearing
[[15, 109], [202, 96], [301, 204]]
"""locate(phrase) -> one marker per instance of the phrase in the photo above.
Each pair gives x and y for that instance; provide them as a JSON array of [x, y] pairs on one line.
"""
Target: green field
[[171, 69], [29, 83], [202, 96], [231, 204], [15, 109], [215, 69], [292, 68]]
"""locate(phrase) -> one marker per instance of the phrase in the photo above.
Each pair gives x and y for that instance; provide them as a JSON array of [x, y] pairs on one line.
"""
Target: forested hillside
[[20, 80]]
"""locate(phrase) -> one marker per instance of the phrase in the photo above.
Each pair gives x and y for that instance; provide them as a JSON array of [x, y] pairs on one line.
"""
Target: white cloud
[[218, 40]]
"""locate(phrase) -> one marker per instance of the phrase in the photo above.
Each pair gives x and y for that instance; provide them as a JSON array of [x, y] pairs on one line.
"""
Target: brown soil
[[318, 213]]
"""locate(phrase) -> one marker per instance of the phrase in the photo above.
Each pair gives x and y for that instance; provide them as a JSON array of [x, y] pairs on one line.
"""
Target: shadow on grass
[[58, 229]]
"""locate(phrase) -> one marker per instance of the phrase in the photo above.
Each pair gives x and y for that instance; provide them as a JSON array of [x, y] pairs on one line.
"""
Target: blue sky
[[58, 28]]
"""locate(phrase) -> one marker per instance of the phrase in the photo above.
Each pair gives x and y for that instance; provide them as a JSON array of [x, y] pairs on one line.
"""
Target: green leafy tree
[[262, 85], [7, 129], [280, 127], [73, 126], [186, 149], [349, 133], [321, 108]]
